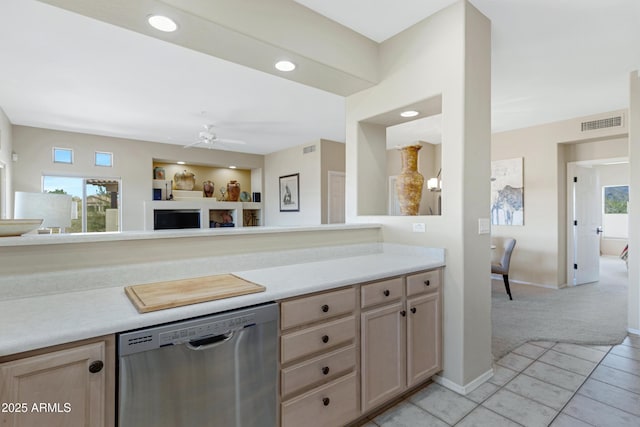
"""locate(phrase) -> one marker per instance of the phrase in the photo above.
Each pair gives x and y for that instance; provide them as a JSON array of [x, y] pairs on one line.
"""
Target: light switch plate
[[419, 227], [484, 226]]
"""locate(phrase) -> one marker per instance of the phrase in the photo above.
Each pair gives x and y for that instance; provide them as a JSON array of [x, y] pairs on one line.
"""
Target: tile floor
[[538, 384]]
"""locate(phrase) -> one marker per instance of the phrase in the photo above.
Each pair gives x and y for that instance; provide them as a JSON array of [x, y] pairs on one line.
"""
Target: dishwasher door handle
[[210, 342]]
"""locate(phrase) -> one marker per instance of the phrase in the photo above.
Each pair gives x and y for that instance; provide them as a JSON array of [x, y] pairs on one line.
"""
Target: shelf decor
[[290, 193]]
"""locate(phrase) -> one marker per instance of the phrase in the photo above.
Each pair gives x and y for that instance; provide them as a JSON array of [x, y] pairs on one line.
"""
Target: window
[[104, 159], [96, 201], [62, 155], [615, 219]]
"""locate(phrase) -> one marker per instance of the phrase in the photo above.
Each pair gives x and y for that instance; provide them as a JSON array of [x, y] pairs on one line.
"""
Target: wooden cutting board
[[176, 293]]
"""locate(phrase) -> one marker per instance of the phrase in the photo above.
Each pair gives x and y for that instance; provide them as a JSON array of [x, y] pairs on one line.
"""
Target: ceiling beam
[[255, 34]]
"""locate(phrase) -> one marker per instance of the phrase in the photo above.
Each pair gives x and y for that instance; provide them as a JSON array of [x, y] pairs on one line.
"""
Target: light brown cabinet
[[318, 377], [66, 386], [401, 339], [347, 352]]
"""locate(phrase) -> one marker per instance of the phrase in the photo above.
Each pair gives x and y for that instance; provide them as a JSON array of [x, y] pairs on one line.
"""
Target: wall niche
[[220, 176], [379, 140]]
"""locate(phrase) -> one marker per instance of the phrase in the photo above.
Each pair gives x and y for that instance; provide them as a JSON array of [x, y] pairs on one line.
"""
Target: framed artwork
[[507, 192], [290, 193]]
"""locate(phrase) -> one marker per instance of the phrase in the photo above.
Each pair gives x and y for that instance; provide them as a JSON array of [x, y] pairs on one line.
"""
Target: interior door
[[336, 190], [586, 221]]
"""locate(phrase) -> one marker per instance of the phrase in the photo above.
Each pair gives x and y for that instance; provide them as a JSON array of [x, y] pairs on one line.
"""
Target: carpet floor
[[594, 313]]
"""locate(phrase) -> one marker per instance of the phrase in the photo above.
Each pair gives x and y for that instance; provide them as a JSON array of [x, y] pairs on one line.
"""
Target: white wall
[[132, 163], [540, 254], [288, 162], [6, 167], [634, 209], [447, 55]]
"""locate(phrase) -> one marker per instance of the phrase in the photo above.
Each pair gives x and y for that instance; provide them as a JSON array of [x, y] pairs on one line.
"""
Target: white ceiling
[[551, 60]]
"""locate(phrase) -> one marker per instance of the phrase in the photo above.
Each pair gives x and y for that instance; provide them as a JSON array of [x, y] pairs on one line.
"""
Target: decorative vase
[[207, 189], [233, 191], [185, 180], [409, 183]]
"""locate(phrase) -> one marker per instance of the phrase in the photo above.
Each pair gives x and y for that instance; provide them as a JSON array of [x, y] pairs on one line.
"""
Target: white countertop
[[44, 320]]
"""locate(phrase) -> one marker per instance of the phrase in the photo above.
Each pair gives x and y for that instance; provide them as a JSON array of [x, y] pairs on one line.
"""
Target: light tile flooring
[[538, 384]]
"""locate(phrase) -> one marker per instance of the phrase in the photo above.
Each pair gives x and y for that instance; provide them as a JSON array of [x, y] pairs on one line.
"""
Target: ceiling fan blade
[[229, 141], [194, 144]]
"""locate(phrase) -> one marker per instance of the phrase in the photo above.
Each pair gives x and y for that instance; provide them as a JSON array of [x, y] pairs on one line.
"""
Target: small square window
[[104, 159], [62, 155]]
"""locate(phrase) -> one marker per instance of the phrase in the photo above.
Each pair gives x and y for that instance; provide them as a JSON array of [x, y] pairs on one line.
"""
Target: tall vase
[[233, 191], [409, 183]]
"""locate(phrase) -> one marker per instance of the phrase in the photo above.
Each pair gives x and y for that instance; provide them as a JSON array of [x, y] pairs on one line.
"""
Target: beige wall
[[446, 55], [287, 162], [540, 254], [132, 163], [6, 167]]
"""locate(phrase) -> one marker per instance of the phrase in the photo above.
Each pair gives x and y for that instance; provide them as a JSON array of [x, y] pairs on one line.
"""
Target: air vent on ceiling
[[309, 149], [610, 122]]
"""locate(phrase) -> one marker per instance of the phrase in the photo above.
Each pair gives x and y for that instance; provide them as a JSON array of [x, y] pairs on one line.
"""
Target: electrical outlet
[[419, 227]]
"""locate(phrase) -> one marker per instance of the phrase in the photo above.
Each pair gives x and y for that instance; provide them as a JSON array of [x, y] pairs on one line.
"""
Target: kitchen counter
[[38, 321]]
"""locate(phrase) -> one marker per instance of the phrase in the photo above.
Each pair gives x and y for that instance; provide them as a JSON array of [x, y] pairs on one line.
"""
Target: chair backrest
[[508, 245]]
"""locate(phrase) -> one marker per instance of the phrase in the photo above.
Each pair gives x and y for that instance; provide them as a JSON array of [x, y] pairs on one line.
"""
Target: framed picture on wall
[[290, 193]]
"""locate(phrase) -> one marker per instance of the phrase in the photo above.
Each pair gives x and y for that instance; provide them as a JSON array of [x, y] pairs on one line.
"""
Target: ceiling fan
[[208, 138]]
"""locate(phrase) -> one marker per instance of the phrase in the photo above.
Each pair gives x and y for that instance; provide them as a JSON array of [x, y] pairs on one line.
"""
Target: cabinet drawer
[[316, 370], [423, 282], [317, 307], [381, 292], [332, 405], [317, 338]]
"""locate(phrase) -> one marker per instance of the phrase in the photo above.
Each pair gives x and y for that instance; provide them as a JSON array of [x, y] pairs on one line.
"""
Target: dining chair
[[503, 268]]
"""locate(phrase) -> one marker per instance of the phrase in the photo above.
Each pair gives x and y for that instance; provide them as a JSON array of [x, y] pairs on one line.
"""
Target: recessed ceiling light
[[409, 113], [180, 163], [285, 66], [162, 23], [232, 167]]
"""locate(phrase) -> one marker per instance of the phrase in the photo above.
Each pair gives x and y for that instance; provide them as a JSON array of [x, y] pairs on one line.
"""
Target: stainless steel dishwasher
[[219, 370]]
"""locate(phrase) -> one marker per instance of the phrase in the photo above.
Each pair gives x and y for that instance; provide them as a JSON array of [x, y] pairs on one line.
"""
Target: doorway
[[587, 240], [336, 198]]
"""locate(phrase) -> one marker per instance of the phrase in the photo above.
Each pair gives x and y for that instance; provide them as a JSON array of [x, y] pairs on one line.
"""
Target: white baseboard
[[633, 331], [466, 389]]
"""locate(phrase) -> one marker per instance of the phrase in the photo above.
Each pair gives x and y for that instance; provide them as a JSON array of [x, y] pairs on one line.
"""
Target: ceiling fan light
[[285, 66], [162, 23]]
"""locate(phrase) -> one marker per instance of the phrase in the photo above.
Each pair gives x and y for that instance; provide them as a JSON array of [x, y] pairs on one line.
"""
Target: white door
[[585, 224], [335, 204]]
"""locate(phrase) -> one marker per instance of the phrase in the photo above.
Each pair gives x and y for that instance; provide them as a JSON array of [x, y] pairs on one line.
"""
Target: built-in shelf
[[212, 212]]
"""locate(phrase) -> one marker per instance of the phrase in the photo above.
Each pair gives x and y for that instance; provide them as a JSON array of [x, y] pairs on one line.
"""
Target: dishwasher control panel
[[182, 332], [211, 329]]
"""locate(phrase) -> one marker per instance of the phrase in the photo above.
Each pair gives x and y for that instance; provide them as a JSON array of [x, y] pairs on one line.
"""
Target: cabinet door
[[55, 389], [382, 354], [424, 337]]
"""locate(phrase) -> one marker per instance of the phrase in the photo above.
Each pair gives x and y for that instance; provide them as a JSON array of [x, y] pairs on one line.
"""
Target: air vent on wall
[[610, 122], [309, 149]]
